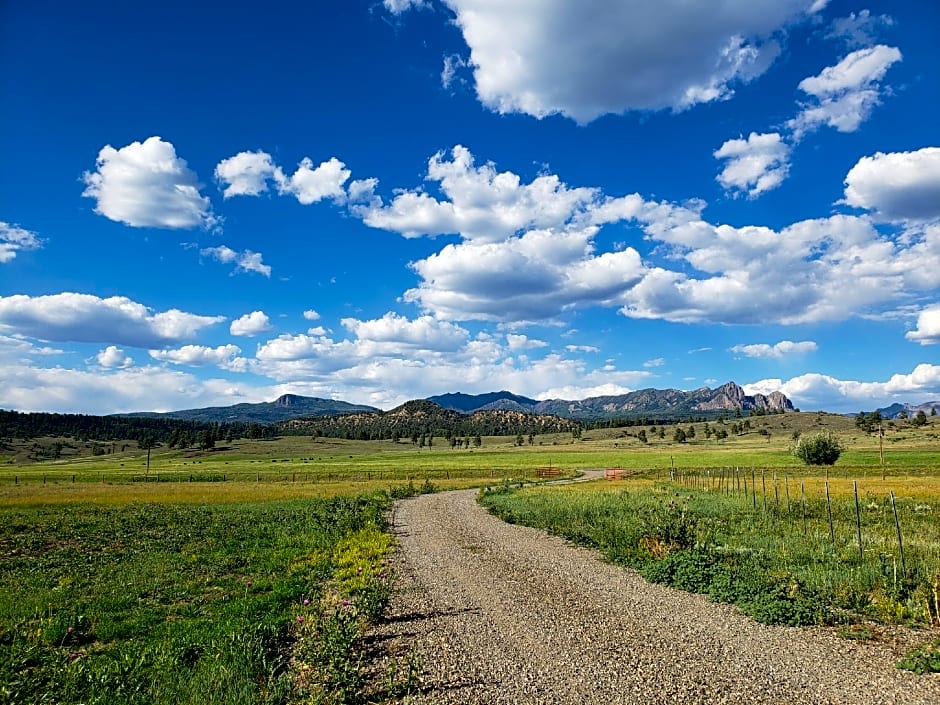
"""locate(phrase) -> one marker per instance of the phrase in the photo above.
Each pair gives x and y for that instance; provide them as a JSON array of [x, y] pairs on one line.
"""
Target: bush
[[818, 449]]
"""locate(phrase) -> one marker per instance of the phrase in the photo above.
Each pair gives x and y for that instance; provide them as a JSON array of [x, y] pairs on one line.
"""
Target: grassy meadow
[[249, 573]]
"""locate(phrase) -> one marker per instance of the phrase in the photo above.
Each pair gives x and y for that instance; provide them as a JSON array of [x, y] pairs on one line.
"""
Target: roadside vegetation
[[248, 571]]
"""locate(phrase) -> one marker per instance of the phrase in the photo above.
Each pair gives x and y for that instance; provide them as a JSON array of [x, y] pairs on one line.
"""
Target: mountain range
[[656, 403], [895, 410]]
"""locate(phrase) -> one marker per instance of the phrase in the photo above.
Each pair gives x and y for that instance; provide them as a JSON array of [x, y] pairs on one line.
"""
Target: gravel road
[[506, 614]]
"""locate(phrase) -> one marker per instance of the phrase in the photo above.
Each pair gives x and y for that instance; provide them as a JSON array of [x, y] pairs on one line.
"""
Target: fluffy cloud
[[145, 185], [15, 239], [525, 259], [245, 261], [778, 350], [224, 356], [311, 315], [422, 357], [425, 332], [249, 174], [754, 165], [819, 391], [585, 59], [251, 324], [843, 96], [122, 390], [112, 356], [928, 327], [245, 174], [898, 186], [85, 318], [481, 203], [518, 342]]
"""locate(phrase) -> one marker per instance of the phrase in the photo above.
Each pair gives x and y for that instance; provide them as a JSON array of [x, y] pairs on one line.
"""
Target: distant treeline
[[15, 424]]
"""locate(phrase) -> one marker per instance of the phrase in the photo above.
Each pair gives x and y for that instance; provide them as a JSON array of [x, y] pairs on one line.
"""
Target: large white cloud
[[754, 165], [480, 202], [149, 388], [391, 359], [819, 391], [249, 174], [401, 333], [777, 350], [585, 59], [898, 186], [224, 356], [251, 324], [533, 265], [84, 318], [843, 96], [244, 261], [145, 185], [14, 239], [928, 327]]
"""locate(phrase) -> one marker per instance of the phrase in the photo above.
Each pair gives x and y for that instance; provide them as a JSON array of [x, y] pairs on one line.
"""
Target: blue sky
[[382, 201]]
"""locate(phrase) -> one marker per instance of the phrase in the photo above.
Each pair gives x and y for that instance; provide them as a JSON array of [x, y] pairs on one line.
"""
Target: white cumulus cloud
[[112, 356], [224, 356], [14, 239], [928, 327], [844, 95], [777, 350], [819, 391], [754, 165], [249, 174], [145, 185], [85, 318], [244, 261], [898, 185], [251, 324], [311, 315], [586, 59]]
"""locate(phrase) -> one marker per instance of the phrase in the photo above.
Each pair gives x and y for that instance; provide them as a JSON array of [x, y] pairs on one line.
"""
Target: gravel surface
[[498, 614]]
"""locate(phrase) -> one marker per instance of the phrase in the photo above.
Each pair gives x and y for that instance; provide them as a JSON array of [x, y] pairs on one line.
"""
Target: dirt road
[[506, 614]]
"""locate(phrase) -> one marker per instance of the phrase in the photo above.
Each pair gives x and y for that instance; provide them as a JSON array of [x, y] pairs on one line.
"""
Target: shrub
[[818, 449]]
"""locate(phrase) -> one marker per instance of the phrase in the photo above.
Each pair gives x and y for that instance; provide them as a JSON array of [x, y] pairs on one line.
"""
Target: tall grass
[[188, 603], [733, 549]]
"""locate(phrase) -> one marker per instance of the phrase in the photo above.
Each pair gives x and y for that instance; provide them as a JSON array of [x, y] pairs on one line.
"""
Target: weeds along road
[[506, 614]]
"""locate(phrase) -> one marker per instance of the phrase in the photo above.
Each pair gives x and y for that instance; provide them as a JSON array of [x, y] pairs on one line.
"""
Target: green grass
[[734, 549], [189, 603]]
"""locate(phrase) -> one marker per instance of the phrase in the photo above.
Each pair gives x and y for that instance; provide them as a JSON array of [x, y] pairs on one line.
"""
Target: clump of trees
[[818, 449]]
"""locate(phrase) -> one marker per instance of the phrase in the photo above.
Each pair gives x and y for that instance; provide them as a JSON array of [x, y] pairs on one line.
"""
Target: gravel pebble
[[504, 614]]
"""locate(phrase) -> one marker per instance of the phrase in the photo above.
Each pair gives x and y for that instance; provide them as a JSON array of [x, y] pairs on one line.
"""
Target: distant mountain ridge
[[895, 410], [652, 402], [285, 407], [658, 403]]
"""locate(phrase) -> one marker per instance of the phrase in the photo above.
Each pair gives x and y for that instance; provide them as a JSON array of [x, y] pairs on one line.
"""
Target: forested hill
[[416, 419]]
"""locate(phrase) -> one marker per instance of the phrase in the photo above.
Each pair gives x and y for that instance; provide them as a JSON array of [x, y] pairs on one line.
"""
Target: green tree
[[920, 418], [642, 436], [818, 449], [679, 435], [477, 441]]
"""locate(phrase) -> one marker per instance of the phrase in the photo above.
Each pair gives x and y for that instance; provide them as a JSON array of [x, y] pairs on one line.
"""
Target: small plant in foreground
[[926, 659]]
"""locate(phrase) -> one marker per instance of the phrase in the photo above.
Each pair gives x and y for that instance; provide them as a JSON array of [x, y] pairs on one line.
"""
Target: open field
[[123, 583]]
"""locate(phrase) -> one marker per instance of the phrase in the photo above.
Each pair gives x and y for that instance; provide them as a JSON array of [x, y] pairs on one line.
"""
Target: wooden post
[[881, 449], [786, 483], [803, 498], [897, 525], [763, 486], [858, 522], [832, 532], [753, 489]]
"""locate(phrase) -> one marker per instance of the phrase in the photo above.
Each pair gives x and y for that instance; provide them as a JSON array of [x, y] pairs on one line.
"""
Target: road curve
[[507, 614]]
